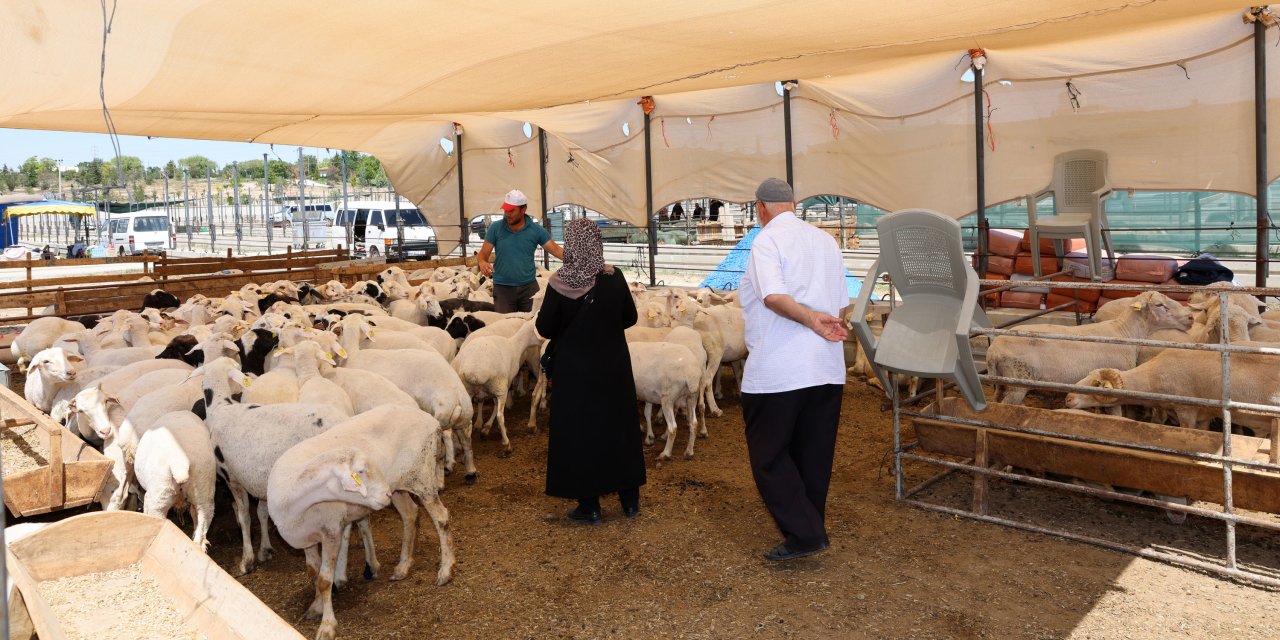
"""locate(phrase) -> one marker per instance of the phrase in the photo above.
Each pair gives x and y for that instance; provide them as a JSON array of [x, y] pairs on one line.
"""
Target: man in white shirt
[[792, 294]]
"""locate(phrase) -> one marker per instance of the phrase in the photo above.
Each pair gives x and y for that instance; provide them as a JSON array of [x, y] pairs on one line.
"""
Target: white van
[[288, 214], [374, 230], [138, 231]]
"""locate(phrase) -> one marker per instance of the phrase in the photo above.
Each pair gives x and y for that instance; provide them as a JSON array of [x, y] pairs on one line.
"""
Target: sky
[[16, 145]]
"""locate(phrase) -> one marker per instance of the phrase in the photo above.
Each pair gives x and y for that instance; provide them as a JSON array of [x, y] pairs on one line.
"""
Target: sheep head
[[1101, 379]]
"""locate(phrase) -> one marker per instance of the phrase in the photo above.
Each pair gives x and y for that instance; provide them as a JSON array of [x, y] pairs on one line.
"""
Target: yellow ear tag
[[277, 352], [356, 477], [342, 352], [870, 317], [1137, 305], [245, 382], [328, 355], [371, 333]]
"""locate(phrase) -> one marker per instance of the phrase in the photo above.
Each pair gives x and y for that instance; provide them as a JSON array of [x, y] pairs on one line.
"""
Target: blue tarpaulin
[[9, 214], [727, 275]]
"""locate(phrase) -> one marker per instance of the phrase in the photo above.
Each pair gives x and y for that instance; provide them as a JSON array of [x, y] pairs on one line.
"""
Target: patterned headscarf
[[583, 258]]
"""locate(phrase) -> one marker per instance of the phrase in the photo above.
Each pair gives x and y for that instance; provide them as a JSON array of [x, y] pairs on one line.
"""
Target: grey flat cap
[[775, 190]]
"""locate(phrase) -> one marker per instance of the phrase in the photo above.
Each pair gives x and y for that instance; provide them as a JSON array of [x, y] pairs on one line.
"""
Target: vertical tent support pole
[[208, 185], [235, 184], [348, 217], [463, 231], [786, 131], [266, 201], [302, 200], [1261, 258], [648, 203], [186, 203], [168, 213], [542, 180], [980, 170]]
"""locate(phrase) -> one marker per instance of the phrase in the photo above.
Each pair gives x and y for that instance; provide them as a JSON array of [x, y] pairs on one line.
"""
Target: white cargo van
[[374, 230], [138, 231]]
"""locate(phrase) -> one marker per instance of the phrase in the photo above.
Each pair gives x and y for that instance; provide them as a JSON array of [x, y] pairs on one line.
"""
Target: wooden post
[[1275, 441], [980, 480], [164, 262], [288, 258], [28, 283], [60, 302], [57, 478]]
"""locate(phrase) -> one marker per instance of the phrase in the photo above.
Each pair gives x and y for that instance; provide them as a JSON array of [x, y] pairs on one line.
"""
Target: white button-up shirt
[[793, 257]]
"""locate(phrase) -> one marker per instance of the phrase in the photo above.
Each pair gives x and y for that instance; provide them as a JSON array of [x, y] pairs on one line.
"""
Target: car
[[135, 232], [288, 214], [377, 227]]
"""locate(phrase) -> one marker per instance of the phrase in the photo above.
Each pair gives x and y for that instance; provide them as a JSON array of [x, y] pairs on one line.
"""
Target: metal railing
[[982, 470]]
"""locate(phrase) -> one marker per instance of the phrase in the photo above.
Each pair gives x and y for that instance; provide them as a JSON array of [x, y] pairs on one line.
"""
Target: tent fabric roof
[[880, 109], [56, 207]]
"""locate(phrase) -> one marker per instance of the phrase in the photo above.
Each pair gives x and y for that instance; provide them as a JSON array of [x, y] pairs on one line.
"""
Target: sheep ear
[[352, 480], [229, 345], [75, 358], [113, 400], [239, 378], [1253, 322]]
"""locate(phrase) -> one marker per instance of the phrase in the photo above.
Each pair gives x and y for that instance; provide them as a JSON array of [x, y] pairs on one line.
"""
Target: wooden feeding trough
[[45, 482], [140, 564], [1177, 473]]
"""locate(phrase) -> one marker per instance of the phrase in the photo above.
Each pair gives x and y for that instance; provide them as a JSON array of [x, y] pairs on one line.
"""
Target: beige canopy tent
[[880, 113]]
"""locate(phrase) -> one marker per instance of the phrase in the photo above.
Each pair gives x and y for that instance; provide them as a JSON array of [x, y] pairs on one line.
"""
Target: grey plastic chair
[[1080, 191], [928, 334]]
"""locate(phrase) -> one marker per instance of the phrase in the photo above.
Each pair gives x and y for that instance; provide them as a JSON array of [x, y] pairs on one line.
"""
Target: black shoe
[[578, 514], [631, 511], [783, 552]]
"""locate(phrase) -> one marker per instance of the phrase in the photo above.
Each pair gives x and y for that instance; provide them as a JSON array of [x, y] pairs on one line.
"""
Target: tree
[[139, 193], [312, 165], [133, 170], [35, 171], [90, 172], [198, 165], [9, 179], [369, 172], [154, 173], [171, 169]]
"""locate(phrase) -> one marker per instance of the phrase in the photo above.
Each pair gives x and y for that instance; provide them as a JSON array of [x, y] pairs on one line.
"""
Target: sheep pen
[[690, 565]]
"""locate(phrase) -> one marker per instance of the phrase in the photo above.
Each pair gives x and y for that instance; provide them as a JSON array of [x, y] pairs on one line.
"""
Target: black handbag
[[548, 358]]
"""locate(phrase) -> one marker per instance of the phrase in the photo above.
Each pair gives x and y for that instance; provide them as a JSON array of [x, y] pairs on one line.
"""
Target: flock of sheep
[[328, 403]]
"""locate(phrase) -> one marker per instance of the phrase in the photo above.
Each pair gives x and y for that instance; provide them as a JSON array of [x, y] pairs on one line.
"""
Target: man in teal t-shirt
[[515, 238]]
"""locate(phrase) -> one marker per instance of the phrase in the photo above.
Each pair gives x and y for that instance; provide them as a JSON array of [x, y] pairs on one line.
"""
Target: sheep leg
[[240, 501], [157, 503], [440, 518], [648, 424], [264, 521], [1014, 395], [717, 391], [408, 509], [324, 588], [468, 455], [1175, 517], [492, 416], [450, 451], [693, 426], [371, 565], [501, 412], [344, 545], [316, 609], [539, 393], [737, 374], [1188, 417], [669, 416], [203, 517]]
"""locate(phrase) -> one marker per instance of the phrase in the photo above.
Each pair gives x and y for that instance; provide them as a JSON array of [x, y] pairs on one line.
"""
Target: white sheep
[[50, 371], [434, 337], [487, 367], [667, 375], [176, 467], [38, 335], [427, 377], [251, 438], [313, 387], [1055, 361], [321, 485]]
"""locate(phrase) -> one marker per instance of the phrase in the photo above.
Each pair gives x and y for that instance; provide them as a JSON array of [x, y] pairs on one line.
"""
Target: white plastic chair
[[1080, 191], [928, 334]]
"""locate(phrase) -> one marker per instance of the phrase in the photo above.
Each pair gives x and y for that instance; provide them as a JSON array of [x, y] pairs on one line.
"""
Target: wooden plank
[[326, 253], [1165, 474], [42, 618], [57, 477], [70, 280], [263, 265]]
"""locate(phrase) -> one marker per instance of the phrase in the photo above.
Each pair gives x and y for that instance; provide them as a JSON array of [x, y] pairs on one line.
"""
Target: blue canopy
[[729, 273], [10, 212]]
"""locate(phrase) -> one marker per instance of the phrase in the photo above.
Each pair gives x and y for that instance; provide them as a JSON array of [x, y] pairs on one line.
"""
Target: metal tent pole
[[786, 131], [235, 185], [462, 198], [168, 213], [980, 168], [302, 199], [266, 201], [208, 183], [348, 217], [186, 203], [648, 203], [542, 180], [1261, 257]]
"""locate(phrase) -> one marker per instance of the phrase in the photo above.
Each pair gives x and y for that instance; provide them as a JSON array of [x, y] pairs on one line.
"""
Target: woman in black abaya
[[595, 445]]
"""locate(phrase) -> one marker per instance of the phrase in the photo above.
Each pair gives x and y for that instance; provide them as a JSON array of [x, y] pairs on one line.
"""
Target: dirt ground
[[690, 566]]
